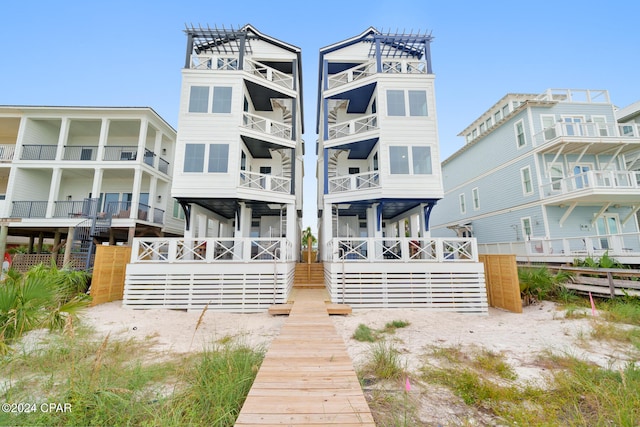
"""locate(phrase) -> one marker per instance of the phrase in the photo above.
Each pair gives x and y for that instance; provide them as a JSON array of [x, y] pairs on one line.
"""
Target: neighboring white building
[[85, 175], [550, 177], [238, 179], [379, 178]]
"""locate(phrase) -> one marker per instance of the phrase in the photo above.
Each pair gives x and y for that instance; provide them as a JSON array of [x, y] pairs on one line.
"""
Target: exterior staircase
[[309, 276], [92, 227]]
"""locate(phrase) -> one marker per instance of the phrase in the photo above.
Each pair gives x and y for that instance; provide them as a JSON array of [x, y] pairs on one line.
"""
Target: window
[[218, 157], [199, 99], [463, 205], [601, 125], [399, 159], [354, 171], [243, 161], [221, 99], [549, 126], [417, 103], [488, 123], [505, 110], [177, 210], [193, 155], [497, 116], [421, 160], [375, 162], [482, 128], [476, 198], [526, 227], [519, 126], [556, 173], [474, 133], [395, 103], [527, 185]]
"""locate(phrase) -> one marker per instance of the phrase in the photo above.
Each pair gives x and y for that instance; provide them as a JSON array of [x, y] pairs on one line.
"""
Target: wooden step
[[335, 309]]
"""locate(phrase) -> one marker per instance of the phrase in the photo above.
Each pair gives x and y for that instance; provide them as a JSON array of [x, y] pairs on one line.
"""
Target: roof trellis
[[401, 44], [221, 40]]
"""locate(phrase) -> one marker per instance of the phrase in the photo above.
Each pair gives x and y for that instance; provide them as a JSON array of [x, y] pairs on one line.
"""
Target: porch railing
[[38, 152], [271, 127], [213, 62], [586, 130], [261, 181], [163, 165], [210, 249], [269, 74], [359, 181], [597, 96], [615, 245], [120, 152], [6, 152], [149, 157], [80, 152], [352, 74], [402, 249], [353, 127], [406, 67], [592, 180], [29, 209]]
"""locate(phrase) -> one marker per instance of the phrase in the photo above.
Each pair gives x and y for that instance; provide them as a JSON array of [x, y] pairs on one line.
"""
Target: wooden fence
[[603, 282], [503, 286], [107, 283]]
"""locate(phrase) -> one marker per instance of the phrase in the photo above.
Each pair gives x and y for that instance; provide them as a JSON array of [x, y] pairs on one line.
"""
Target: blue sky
[[129, 53]]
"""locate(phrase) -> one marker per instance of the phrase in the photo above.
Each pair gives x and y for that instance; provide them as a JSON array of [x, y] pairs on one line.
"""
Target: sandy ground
[[519, 337]]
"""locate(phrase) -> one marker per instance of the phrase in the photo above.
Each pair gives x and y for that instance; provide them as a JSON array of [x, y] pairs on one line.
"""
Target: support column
[[54, 189], [131, 235], [327, 232], [135, 193], [68, 247], [292, 235], [96, 188], [30, 247], [40, 242], [4, 233]]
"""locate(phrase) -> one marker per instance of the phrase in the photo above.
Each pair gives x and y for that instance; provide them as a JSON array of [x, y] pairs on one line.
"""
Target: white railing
[[6, 152], [615, 245], [210, 249], [352, 127], [214, 62], [351, 75], [261, 181], [370, 249], [575, 95], [268, 73], [359, 181], [268, 126], [586, 130], [618, 180], [404, 67]]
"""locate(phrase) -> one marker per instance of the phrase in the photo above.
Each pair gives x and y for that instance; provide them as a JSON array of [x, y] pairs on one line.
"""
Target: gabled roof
[[628, 112]]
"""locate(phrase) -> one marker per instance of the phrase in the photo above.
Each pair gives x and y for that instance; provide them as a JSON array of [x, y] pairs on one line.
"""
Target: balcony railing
[[615, 245], [149, 157], [208, 250], [351, 75], [271, 127], [269, 74], [213, 62], [163, 165], [30, 209], [74, 152], [352, 127], [121, 152], [618, 180], [359, 181], [38, 152], [158, 216], [575, 95], [74, 208], [6, 152], [261, 181], [402, 249], [405, 67]]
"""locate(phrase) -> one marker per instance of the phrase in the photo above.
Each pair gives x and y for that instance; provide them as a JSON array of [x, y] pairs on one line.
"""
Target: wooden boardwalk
[[307, 377]]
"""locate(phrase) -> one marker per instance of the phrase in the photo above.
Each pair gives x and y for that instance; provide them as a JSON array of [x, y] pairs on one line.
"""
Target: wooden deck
[[307, 377]]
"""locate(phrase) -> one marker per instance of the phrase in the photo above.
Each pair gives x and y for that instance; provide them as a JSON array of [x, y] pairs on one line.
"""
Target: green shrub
[[364, 333]]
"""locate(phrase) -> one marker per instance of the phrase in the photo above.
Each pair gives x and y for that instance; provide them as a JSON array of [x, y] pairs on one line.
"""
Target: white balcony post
[[172, 250], [54, 190]]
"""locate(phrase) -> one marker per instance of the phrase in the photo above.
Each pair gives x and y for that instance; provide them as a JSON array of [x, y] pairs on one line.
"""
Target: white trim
[[524, 234], [462, 203], [524, 134], [475, 196], [522, 180]]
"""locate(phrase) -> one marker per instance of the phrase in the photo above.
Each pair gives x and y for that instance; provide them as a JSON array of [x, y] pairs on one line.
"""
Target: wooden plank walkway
[[307, 377]]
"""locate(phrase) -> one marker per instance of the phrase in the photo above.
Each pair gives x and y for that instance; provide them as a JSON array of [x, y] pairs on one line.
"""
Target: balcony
[[602, 132], [260, 181], [593, 180], [231, 63], [359, 181], [6, 152], [351, 75], [120, 153], [353, 127], [266, 126], [404, 67], [149, 157], [38, 152], [30, 209], [163, 166], [403, 249]]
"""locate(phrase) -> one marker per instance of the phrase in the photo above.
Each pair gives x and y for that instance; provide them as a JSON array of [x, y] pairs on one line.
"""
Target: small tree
[[306, 234]]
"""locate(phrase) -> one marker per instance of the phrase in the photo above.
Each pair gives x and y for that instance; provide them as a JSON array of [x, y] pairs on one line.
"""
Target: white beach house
[[238, 179], [379, 179]]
